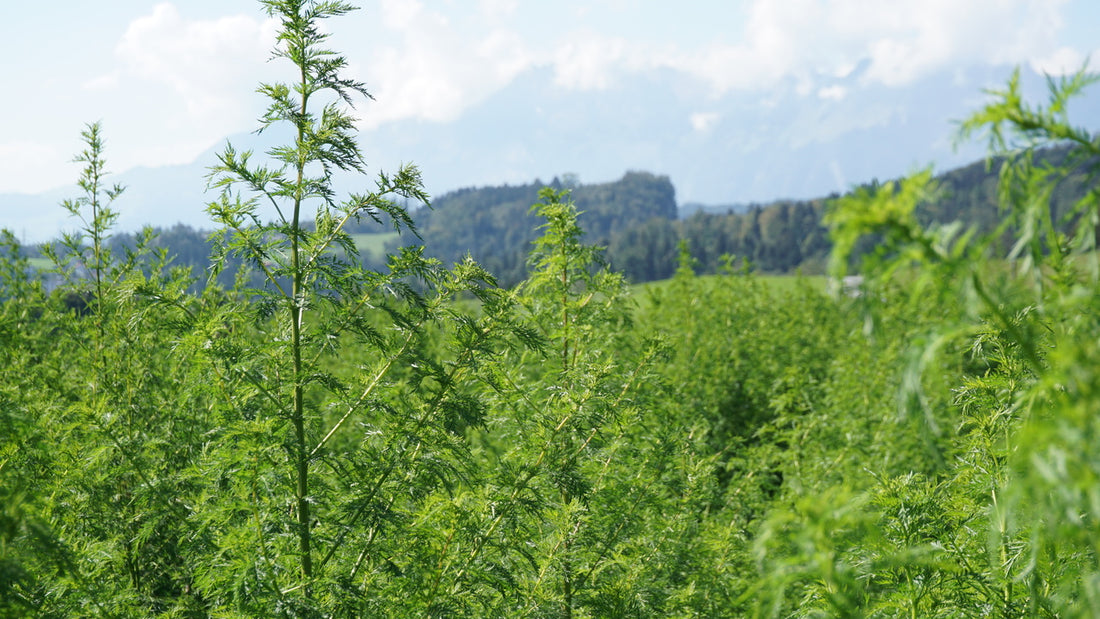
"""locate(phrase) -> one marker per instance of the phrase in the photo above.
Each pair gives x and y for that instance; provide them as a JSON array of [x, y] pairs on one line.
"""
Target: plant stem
[[296, 309]]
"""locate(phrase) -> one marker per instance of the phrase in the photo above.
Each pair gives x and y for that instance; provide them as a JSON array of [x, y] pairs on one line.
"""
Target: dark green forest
[[636, 220], [295, 430]]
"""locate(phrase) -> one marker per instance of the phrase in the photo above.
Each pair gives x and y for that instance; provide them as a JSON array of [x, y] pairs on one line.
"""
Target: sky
[[170, 79]]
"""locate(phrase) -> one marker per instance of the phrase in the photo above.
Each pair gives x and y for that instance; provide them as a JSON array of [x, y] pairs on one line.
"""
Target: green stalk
[[296, 309]]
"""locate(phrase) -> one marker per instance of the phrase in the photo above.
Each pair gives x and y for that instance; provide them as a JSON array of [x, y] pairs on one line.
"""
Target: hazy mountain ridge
[[734, 148]]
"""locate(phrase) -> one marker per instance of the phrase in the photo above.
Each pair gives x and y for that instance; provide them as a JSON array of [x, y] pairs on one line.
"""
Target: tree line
[[635, 220]]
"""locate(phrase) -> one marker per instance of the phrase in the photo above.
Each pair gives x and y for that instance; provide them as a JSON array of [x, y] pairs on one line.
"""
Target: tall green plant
[[1006, 527], [572, 511], [297, 261], [1051, 495], [359, 453], [94, 471]]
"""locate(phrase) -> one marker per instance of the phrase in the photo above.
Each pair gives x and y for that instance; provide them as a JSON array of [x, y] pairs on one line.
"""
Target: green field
[[373, 245], [328, 438], [775, 283]]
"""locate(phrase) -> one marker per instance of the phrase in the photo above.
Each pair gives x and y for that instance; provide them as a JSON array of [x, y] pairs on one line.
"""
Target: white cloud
[[503, 52], [437, 64], [432, 61], [497, 9], [180, 85], [703, 121], [588, 61], [835, 92], [1061, 61], [903, 40], [844, 69], [435, 68], [209, 64]]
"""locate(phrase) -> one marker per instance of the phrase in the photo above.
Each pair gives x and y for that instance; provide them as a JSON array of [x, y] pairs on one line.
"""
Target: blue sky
[[171, 79]]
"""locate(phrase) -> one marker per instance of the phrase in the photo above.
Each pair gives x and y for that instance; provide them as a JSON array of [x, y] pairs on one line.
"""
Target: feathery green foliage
[[326, 439], [1004, 525]]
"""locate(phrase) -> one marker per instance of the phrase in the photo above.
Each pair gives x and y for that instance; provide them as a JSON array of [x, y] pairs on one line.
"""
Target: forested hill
[[496, 225], [635, 218]]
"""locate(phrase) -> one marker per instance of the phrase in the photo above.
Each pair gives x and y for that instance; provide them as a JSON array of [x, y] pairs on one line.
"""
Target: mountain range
[[735, 148]]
